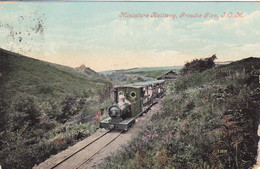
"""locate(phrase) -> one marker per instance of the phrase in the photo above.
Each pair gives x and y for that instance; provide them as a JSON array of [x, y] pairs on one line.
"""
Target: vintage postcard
[[127, 84]]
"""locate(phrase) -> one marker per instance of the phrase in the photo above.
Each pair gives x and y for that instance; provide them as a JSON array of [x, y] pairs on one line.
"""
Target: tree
[[199, 65]]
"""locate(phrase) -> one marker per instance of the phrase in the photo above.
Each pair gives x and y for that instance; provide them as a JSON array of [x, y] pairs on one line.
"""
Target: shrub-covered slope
[[41, 107], [209, 121]]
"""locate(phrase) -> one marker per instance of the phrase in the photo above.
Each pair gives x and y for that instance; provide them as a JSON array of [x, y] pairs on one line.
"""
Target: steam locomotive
[[131, 101]]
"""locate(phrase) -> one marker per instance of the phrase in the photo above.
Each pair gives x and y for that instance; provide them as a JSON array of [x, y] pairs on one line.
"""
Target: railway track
[[107, 141], [77, 155]]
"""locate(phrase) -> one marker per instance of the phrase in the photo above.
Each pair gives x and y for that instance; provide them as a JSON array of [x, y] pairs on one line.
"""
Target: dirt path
[[121, 140]]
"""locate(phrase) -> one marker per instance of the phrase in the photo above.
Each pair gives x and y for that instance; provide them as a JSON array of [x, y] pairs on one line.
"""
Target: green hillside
[[42, 108], [210, 120]]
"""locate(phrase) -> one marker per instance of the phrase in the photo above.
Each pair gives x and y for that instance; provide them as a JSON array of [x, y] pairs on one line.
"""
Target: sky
[[97, 35]]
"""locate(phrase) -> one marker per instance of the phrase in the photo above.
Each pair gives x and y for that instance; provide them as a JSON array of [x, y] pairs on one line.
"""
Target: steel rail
[[65, 159], [79, 165]]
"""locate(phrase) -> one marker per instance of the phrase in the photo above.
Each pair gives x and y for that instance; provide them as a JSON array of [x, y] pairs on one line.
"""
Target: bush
[[26, 111], [70, 106], [198, 65]]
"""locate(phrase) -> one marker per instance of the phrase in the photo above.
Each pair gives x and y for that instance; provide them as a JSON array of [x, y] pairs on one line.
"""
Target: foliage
[[42, 109], [206, 123], [198, 65]]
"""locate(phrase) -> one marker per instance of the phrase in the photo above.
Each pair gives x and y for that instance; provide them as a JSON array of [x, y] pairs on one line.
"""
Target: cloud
[[254, 48], [238, 52], [147, 58], [203, 24], [139, 41], [230, 23], [6, 2]]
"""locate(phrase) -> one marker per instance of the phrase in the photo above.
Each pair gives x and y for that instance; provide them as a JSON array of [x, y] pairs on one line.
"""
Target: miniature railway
[[79, 154], [130, 102]]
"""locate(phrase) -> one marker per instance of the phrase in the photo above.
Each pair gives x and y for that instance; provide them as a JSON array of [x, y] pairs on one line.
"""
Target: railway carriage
[[131, 101]]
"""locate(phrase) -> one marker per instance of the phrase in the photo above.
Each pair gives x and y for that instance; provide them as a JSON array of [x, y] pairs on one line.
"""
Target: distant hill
[[125, 76], [37, 102], [146, 69], [222, 63], [132, 70]]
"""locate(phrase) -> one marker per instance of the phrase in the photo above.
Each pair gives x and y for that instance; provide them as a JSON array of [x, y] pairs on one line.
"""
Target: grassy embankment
[[42, 107], [209, 121]]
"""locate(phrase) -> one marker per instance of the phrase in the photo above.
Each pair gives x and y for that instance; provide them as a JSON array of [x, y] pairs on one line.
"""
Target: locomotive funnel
[[115, 97]]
